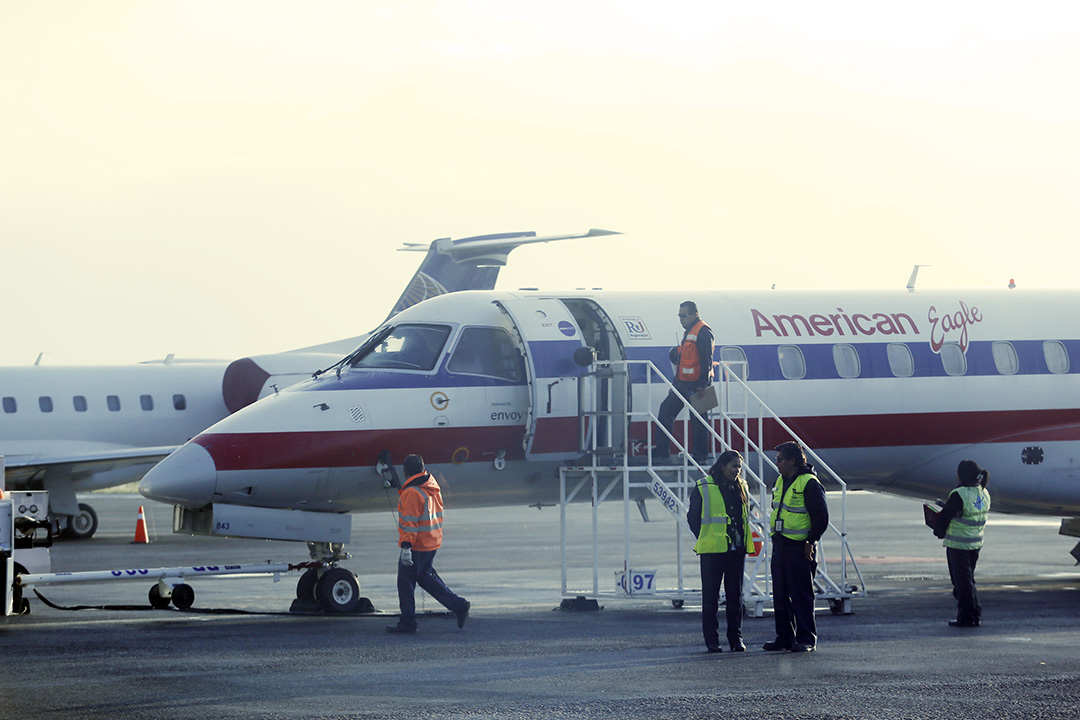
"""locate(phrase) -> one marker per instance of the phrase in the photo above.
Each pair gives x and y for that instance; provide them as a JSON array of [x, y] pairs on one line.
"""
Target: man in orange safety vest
[[693, 373], [420, 517]]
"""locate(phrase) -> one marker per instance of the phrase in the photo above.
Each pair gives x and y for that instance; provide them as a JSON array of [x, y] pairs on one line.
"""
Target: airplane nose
[[188, 477]]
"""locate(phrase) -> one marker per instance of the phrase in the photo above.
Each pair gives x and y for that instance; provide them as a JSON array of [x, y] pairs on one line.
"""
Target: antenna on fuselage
[[914, 275]]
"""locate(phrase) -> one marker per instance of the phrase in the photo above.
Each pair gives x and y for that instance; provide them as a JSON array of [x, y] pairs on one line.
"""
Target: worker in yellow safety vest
[[693, 373], [800, 517], [960, 523], [719, 517]]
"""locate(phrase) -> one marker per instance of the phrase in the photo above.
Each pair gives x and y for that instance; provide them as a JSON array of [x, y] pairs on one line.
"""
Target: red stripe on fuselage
[[953, 428], [355, 448]]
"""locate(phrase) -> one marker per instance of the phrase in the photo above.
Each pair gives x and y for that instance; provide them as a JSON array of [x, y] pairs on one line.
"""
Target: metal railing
[[606, 439]]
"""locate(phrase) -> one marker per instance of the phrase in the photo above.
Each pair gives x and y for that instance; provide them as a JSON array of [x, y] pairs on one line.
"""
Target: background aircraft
[[70, 429], [892, 389]]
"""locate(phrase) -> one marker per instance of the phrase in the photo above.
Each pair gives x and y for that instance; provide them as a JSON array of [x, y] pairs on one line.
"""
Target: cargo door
[[549, 337]]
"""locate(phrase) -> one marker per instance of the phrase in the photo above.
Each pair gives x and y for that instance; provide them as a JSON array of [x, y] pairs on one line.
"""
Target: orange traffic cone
[[140, 529], [756, 537]]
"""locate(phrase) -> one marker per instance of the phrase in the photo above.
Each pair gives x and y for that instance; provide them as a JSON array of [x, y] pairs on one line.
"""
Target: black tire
[[19, 604], [677, 604], [157, 601], [305, 586], [82, 526], [183, 596], [338, 591]]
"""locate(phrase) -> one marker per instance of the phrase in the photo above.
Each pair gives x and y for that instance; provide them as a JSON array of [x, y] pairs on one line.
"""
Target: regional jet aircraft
[[80, 428], [890, 388]]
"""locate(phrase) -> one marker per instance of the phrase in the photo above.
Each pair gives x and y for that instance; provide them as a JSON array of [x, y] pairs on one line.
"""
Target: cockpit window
[[486, 351], [403, 347]]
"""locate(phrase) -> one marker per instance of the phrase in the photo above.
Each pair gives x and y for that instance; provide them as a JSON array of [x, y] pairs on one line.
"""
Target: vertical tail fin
[[470, 263]]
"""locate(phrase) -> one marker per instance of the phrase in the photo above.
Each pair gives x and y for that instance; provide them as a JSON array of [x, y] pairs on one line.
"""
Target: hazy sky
[[231, 178]]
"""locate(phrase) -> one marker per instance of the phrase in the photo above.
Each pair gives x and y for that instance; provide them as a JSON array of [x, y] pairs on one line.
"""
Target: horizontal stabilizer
[[493, 249], [470, 263]]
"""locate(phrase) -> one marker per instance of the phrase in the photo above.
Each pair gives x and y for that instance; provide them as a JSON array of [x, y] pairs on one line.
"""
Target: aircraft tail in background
[[470, 263]]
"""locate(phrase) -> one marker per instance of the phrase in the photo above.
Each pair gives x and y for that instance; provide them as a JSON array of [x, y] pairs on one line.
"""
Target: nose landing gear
[[327, 587]]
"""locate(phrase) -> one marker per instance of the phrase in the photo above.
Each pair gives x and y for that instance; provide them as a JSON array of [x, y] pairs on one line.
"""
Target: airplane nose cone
[[188, 477]]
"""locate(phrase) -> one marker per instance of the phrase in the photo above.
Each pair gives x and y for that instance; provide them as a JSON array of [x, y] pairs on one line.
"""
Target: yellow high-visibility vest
[[713, 536], [965, 531], [790, 509]]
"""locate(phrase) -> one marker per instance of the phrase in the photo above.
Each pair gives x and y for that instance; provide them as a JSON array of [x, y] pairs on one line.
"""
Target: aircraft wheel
[[19, 604], [305, 586], [338, 591], [677, 604], [157, 600], [183, 596], [82, 526]]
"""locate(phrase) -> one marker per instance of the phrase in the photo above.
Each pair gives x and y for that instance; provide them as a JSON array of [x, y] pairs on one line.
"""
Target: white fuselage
[[892, 389]]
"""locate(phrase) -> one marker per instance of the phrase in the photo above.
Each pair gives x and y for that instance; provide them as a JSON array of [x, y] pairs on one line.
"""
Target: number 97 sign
[[642, 582]]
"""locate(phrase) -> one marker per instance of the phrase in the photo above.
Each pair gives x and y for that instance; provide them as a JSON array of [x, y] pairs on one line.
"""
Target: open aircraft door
[[549, 337]]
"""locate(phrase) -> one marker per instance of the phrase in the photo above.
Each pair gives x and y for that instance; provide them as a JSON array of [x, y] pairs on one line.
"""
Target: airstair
[[615, 469]]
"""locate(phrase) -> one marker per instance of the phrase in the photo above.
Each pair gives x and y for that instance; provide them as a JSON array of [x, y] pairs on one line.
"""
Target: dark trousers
[[669, 410], [423, 574], [793, 592], [962, 573], [728, 568]]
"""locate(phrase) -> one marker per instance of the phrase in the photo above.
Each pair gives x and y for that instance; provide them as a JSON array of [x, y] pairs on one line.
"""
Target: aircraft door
[[549, 338], [607, 394]]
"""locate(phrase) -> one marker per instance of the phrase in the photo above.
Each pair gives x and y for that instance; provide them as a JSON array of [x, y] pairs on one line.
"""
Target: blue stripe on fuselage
[[555, 359]]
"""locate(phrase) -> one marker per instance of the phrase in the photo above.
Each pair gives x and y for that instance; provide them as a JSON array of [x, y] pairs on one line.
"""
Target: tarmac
[[519, 656]]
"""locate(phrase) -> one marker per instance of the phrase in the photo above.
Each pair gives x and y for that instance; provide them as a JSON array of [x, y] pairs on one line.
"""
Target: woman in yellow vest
[[960, 525], [719, 517]]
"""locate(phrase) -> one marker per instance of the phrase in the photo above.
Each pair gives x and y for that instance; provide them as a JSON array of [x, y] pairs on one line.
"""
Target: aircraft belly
[[274, 488], [1018, 484]]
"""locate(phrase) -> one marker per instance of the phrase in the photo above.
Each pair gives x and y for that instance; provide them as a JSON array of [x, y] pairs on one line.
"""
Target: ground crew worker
[[420, 518], [960, 523], [800, 517], [719, 517], [693, 373]]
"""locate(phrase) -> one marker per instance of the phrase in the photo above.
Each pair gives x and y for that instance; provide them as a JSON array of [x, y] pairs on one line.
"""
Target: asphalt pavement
[[519, 656]]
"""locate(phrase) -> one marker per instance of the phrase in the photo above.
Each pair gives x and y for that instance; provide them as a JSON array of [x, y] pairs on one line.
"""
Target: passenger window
[[953, 359], [406, 347], [486, 351], [1057, 358], [1005, 359], [735, 358], [146, 402], [847, 361], [10, 405], [901, 362], [792, 362], [113, 403], [45, 403], [179, 402], [79, 401]]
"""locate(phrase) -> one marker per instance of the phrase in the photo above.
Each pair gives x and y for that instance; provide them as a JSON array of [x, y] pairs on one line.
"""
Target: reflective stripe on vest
[[424, 531], [713, 536], [431, 519], [791, 508], [965, 531], [689, 359]]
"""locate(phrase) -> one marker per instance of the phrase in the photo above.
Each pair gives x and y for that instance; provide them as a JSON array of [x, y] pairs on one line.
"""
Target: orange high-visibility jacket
[[420, 511], [689, 358]]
